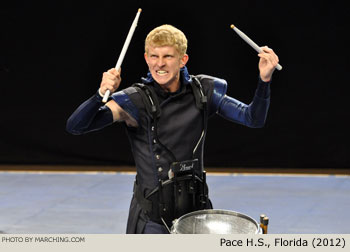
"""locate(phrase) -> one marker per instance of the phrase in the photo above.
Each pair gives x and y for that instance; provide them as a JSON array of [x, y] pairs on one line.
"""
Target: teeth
[[161, 72]]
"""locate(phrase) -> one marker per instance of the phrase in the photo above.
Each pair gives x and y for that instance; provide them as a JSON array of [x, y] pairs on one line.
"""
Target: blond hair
[[167, 35]]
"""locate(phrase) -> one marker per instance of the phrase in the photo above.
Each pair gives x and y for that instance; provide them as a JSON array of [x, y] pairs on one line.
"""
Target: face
[[164, 64]]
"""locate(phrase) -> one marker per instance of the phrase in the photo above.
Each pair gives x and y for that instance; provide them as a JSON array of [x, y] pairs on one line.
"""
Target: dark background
[[52, 56]]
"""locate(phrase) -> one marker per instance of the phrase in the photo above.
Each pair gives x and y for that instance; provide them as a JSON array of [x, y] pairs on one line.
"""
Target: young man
[[166, 119]]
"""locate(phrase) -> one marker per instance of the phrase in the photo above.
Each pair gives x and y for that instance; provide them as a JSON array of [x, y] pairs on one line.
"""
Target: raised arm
[[93, 114], [252, 115]]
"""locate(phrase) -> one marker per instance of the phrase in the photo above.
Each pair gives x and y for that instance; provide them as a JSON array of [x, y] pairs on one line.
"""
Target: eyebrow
[[165, 55]]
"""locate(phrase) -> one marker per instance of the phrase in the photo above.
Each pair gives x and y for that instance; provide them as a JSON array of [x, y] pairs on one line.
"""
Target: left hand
[[267, 64]]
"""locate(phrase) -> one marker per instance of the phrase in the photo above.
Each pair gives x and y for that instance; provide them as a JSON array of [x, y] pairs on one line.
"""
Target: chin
[[162, 81]]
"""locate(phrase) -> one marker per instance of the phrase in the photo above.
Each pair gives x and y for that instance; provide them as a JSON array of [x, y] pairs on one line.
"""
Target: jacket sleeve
[[90, 116], [252, 115]]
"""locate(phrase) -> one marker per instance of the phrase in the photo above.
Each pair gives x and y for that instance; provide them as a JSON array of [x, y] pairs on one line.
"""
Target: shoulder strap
[[200, 97], [201, 103], [149, 98]]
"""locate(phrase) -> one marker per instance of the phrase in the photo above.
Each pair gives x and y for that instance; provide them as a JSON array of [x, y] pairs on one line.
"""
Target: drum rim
[[217, 211]]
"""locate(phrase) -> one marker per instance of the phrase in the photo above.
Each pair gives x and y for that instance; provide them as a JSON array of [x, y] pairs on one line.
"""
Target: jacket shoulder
[[216, 88]]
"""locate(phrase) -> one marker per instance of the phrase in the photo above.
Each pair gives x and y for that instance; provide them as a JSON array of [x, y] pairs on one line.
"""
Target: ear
[[184, 60], [146, 57]]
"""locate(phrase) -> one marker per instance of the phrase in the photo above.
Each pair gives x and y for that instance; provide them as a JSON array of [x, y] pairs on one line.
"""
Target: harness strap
[[149, 98], [201, 99], [145, 204], [201, 102]]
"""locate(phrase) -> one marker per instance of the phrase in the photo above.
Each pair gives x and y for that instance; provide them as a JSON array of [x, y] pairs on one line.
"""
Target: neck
[[171, 88], [173, 85]]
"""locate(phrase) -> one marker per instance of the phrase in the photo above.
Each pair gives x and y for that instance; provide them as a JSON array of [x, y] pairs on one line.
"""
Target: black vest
[[180, 125]]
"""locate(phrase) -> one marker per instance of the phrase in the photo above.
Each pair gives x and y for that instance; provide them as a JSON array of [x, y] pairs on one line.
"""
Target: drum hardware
[[262, 216], [160, 200], [215, 221], [264, 222], [190, 218], [181, 216], [204, 196], [166, 226], [162, 207], [184, 193]]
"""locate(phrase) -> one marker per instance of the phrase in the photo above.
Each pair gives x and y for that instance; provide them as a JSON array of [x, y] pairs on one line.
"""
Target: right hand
[[110, 80]]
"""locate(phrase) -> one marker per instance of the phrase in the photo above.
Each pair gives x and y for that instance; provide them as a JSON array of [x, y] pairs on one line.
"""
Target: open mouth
[[161, 72]]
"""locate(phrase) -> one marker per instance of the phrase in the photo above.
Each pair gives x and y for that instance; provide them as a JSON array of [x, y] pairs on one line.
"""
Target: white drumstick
[[125, 48], [251, 43]]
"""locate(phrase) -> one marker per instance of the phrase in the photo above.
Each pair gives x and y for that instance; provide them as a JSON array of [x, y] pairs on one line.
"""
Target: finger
[[109, 75], [108, 86], [268, 59], [273, 58], [269, 52], [267, 49], [112, 79], [264, 56], [107, 82], [114, 71]]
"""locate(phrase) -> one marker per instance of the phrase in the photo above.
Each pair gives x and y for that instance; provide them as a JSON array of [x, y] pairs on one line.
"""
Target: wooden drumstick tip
[[139, 10], [266, 221], [262, 216], [232, 26]]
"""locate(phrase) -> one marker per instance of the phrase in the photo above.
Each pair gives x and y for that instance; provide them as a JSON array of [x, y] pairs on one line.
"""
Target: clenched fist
[[110, 81]]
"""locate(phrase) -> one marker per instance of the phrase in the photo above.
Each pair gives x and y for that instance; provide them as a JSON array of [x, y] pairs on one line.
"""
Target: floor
[[97, 203]]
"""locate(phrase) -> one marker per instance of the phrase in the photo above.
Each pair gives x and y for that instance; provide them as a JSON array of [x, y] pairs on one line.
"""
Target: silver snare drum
[[214, 221]]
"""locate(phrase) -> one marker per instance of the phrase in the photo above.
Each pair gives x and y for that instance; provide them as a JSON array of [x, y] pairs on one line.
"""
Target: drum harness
[[181, 170]]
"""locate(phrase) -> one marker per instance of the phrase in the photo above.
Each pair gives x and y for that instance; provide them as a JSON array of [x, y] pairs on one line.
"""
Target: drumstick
[[251, 43], [125, 48]]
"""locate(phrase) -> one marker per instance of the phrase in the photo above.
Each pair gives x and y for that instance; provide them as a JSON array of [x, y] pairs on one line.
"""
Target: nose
[[160, 62]]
